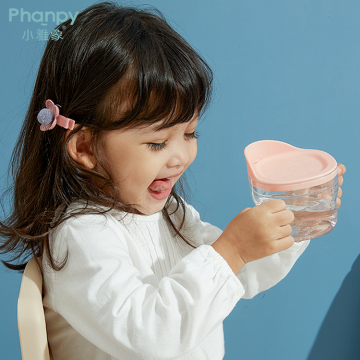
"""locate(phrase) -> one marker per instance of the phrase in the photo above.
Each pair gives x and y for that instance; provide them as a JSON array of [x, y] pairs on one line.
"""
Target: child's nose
[[180, 156]]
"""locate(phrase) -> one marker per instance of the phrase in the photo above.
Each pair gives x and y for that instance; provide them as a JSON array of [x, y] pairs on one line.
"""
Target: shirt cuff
[[211, 255]]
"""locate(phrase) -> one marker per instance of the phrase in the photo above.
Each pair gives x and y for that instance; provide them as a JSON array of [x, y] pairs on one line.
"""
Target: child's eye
[[157, 146], [193, 135]]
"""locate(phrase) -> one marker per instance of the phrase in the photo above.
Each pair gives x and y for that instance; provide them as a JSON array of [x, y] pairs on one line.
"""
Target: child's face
[[145, 164]]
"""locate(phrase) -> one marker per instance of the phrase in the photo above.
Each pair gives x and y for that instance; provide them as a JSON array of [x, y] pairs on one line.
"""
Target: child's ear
[[79, 148]]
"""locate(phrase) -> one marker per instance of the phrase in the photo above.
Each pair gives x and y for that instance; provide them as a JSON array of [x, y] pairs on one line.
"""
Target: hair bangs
[[167, 81]]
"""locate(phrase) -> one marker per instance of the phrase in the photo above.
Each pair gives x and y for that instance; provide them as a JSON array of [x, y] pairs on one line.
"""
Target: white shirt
[[129, 290]]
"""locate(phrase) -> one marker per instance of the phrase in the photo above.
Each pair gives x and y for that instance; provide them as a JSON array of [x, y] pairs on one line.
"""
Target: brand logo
[[42, 17]]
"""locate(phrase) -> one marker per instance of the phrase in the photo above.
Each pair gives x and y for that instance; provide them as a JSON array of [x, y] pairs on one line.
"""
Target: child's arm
[[259, 275]]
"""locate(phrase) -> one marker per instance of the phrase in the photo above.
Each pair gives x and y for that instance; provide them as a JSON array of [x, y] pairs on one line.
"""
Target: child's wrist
[[230, 253]]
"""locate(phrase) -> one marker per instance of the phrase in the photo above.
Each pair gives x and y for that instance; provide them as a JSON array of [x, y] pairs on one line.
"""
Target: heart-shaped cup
[[305, 179]]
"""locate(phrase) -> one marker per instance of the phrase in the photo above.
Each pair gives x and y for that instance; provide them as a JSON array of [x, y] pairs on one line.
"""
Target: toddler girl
[[130, 271]]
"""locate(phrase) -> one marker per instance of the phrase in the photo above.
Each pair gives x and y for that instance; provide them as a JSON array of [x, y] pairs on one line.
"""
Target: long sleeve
[[262, 274], [109, 295]]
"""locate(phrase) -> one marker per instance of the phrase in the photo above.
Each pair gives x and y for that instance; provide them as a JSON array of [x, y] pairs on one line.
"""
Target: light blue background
[[284, 70]]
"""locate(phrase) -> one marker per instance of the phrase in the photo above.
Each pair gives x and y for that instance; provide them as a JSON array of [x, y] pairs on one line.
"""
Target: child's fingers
[[284, 217], [340, 193], [341, 169], [284, 231], [340, 180], [284, 243], [338, 203], [274, 206], [324, 196]]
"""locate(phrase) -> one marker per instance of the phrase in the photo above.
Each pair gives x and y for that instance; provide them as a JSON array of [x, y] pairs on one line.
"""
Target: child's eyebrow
[[146, 129], [153, 128]]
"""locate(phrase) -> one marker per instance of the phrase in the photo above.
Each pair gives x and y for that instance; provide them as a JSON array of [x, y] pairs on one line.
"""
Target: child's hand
[[256, 233], [341, 171]]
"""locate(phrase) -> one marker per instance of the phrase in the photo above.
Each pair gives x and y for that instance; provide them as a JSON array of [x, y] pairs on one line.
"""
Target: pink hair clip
[[50, 116]]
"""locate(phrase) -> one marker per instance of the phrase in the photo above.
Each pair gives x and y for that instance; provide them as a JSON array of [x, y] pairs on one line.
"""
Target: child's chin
[[151, 209]]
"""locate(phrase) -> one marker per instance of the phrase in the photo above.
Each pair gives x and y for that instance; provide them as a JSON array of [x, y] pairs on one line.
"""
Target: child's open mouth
[[160, 188]]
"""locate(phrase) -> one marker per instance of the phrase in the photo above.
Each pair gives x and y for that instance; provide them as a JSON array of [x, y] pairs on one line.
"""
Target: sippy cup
[[305, 179]]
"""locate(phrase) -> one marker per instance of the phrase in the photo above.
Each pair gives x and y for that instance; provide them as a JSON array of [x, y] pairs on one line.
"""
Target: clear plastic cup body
[[314, 208]]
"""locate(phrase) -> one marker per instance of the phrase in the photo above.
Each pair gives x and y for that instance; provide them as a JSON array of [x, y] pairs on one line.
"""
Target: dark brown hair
[[109, 57]]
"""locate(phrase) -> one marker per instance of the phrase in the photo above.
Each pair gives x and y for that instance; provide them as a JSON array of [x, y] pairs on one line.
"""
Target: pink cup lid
[[277, 166]]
